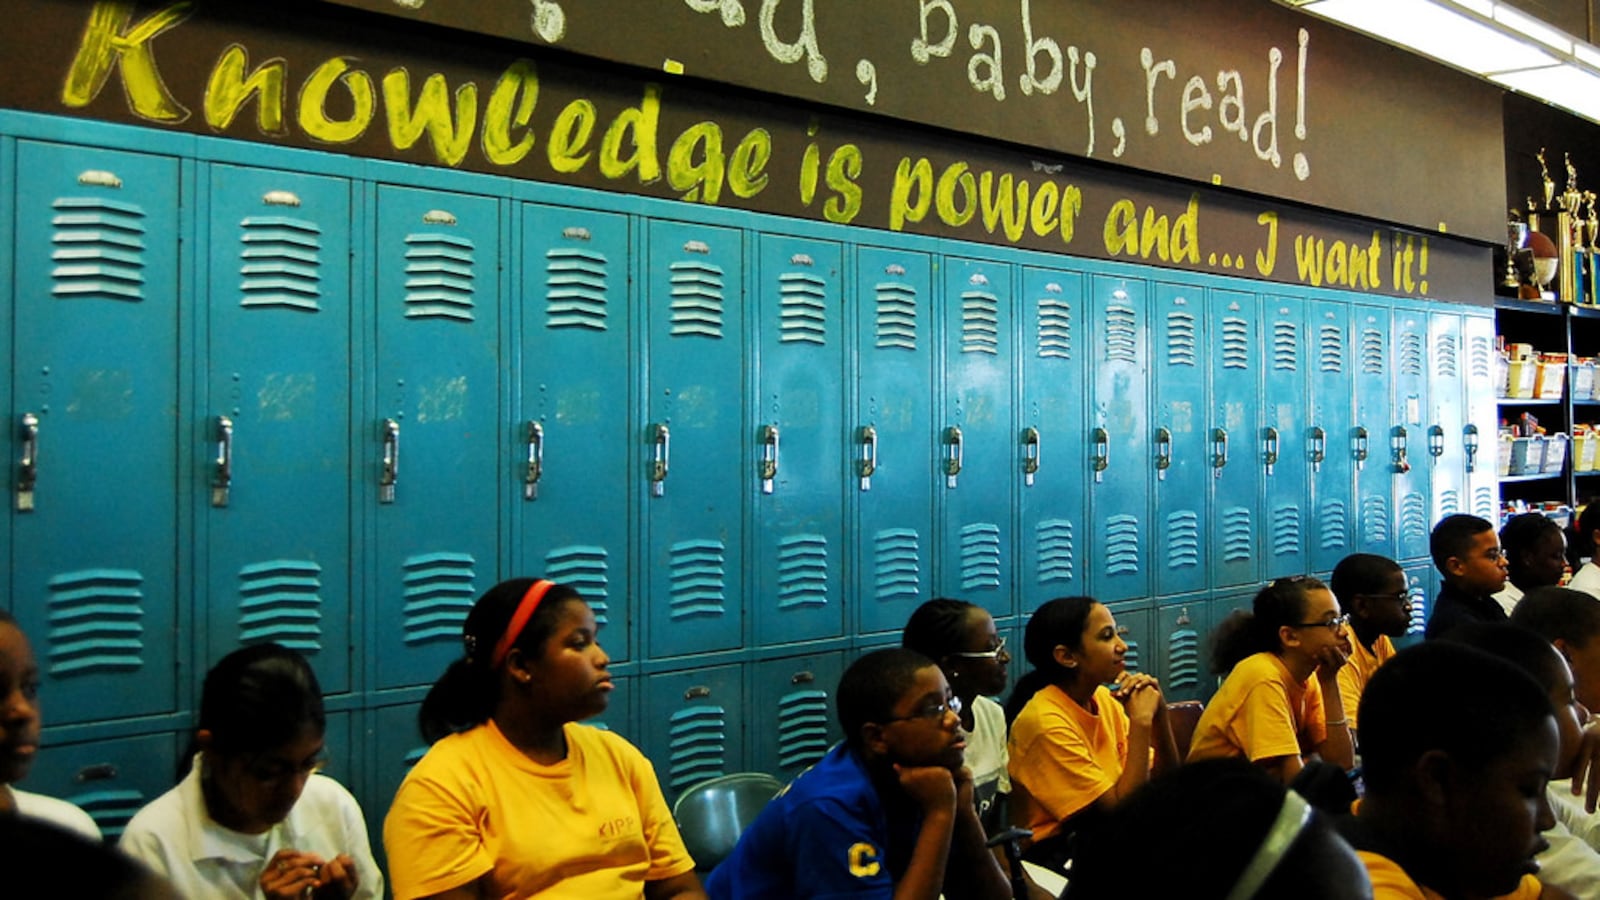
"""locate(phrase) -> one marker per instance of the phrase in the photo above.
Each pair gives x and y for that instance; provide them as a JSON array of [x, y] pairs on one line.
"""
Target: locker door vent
[[1285, 346], [279, 600], [1484, 502], [576, 285], [1286, 531], [697, 297], [1054, 540], [1411, 354], [897, 316], [1055, 328], [96, 621], [1131, 658], [1235, 343], [803, 308], [99, 249], [440, 269], [697, 745], [1413, 516], [280, 262], [1374, 520], [897, 564], [802, 571], [414, 756], [1238, 534], [1183, 539], [1122, 545], [1372, 357], [438, 590], [110, 809], [1449, 503], [1183, 660], [587, 569], [1330, 349], [803, 718], [1333, 519], [980, 322], [1122, 335], [1180, 338], [1444, 356], [697, 575], [1480, 356], [980, 556], [1419, 610]]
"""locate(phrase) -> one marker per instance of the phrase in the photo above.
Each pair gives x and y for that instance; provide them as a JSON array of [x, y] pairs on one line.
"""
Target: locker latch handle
[[1219, 451], [802, 678], [28, 471], [1435, 441], [1469, 443], [697, 692], [868, 463], [954, 453], [1269, 454], [1030, 454], [1397, 446], [1358, 447], [661, 440], [222, 484], [391, 461], [1163, 452], [1319, 448], [530, 479], [768, 466], [1101, 461]]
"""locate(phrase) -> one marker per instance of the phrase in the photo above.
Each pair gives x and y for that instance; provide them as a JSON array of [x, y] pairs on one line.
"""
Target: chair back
[[1184, 716], [712, 814]]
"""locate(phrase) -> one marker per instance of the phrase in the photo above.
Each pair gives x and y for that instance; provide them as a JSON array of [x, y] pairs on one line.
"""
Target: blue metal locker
[[1480, 426], [109, 779], [1118, 432], [1054, 358], [697, 458], [574, 427], [1136, 629], [1287, 436], [693, 726], [977, 444], [1181, 442], [95, 362], [1422, 581], [1239, 445], [793, 719], [432, 450], [798, 464], [275, 427], [1408, 454], [1334, 444], [1182, 631], [1370, 440], [894, 470], [1446, 415]]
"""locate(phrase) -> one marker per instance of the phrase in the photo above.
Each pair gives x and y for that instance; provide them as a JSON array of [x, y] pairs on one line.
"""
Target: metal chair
[[712, 814]]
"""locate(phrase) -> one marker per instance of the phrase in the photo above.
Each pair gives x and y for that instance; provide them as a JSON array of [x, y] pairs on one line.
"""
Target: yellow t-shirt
[[1065, 755], [594, 825], [1390, 882], [1355, 673], [1260, 712]]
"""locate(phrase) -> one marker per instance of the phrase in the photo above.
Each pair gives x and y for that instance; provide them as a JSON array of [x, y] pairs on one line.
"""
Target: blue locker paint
[[696, 546], [793, 720], [1054, 356], [109, 779], [1238, 445], [96, 362], [439, 382], [1481, 422], [893, 533], [1289, 528], [1410, 411], [8, 449], [798, 535], [278, 309], [1182, 632], [1446, 417], [978, 442], [693, 726], [1135, 625], [1372, 361], [1422, 580], [577, 332], [1118, 438], [1334, 513], [1180, 438]]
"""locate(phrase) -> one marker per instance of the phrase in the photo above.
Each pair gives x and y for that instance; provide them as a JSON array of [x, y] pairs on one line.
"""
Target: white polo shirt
[[56, 812]]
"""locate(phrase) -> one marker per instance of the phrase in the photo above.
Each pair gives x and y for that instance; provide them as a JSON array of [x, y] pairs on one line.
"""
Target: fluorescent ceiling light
[[1566, 86], [1517, 20]]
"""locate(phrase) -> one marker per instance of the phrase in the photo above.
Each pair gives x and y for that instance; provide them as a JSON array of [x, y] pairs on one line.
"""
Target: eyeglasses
[[1333, 624], [933, 711], [999, 648], [268, 771], [1401, 597]]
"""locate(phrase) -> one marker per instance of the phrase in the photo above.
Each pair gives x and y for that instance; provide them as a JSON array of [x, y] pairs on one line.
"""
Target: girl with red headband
[[515, 798]]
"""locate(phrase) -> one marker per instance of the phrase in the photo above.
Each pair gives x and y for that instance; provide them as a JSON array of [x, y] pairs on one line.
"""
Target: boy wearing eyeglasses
[[1466, 552], [887, 813], [1372, 590]]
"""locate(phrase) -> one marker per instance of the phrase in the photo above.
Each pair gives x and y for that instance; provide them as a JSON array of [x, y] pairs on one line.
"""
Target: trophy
[[1549, 183], [1591, 223], [1516, 237]]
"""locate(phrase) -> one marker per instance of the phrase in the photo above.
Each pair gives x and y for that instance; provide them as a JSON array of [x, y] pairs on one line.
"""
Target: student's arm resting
[[433, 841], [972, 870]]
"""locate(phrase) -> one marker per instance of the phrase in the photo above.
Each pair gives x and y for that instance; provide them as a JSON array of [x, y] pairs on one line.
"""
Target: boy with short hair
[[1570, 620], [889, 811], [1466, 552], [1372, 590]]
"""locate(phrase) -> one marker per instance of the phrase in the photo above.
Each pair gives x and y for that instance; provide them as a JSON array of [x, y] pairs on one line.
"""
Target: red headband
[[519, 621]]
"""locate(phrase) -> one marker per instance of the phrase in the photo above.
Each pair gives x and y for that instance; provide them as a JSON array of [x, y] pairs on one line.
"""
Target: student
[[1586, 578], [1535, 549], [1221, 828], [962, 639], [1372, 589], [887, 813], [1084, 740], [1279, 701], [1467, 554], [1457, 748], [41, 859], [19, 737], [1570, 620], [252, 817], [515, 798]]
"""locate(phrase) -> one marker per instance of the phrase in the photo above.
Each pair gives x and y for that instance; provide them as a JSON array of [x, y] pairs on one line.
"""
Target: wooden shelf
[[1541, 307], [1509, 479]]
